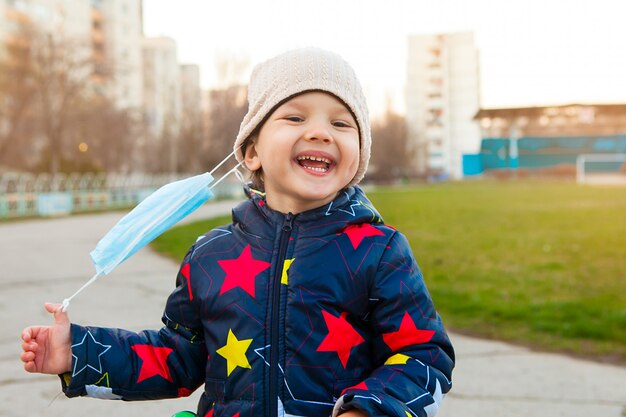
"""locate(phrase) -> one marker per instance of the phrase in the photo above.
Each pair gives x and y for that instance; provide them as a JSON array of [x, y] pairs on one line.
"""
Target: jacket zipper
[[274, 324]]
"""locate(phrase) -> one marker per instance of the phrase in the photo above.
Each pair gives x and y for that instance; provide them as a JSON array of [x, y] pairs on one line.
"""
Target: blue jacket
[[283, 315]]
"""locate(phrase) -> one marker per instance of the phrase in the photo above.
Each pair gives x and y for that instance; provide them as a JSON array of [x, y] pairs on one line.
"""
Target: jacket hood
[[351, 206]]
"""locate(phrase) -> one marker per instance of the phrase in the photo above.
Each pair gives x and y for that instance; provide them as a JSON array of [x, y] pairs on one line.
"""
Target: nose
[[318, 131]]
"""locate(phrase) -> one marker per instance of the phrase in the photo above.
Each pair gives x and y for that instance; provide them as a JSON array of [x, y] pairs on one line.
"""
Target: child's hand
[[47, 349]]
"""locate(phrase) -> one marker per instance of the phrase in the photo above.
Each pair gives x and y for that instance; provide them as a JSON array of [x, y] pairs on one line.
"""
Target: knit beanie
[[298, 71]]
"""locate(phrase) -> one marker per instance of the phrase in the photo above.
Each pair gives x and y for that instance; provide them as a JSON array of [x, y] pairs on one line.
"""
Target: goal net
[[597, 168]]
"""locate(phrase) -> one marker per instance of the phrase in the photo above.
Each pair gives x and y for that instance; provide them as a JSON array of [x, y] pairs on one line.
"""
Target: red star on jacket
[[184, 392], [407, 335], [210, 413], [186, 272], [360, 385], [341, 337], [358, 232], [154, 361], [242, 271]]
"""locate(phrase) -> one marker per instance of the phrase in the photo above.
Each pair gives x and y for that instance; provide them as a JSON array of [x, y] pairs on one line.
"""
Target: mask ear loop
[[240, 177], [226, 175], [224, 161], [234, 170]]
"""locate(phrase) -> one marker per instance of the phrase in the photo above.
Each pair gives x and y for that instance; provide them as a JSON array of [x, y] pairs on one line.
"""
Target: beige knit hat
[[298, 71]]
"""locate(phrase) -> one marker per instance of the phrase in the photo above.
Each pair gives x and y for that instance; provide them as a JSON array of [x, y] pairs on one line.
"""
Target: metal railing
[[29, 195]]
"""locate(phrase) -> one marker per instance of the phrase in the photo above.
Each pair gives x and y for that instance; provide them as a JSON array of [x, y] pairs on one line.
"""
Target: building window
[[435, 52], [587, 115]]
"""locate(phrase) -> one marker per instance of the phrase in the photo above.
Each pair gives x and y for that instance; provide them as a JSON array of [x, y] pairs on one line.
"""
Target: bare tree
[[391, 156], [191, 141], [51, 107], [105, 135], [227, 105], [17, 93], [191, 128], [226, 111], [61, 71]]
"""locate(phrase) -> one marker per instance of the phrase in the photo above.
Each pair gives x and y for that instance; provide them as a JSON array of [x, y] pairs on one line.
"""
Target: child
[[306, 305]]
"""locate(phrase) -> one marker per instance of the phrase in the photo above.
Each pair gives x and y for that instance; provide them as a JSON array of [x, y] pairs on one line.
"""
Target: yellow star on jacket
[[235, 352], [284, 279], [397, 359]]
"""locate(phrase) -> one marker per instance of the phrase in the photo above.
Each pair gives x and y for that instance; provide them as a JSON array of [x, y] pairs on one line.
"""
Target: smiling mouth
[[315, 163]]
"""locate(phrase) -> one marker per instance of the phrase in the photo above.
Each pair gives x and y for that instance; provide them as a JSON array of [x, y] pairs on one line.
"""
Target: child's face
[[308, 149]]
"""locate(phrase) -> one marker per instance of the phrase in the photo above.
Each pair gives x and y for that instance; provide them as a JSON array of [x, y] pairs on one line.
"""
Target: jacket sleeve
[[151, 364], [414, 352]]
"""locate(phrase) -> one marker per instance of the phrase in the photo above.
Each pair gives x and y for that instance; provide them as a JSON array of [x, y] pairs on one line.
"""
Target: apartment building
[[442, 97], [138, 74], [117, 37], [55, 18], [191, 95], [66, 17], [161, 86], [108, 32]]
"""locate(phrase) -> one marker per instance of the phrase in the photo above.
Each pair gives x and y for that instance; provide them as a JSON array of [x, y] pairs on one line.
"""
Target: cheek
[[354, 156], [274, 162]]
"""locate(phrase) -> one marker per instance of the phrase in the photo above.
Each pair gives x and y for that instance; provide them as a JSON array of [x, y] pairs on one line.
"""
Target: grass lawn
[[534, 262]]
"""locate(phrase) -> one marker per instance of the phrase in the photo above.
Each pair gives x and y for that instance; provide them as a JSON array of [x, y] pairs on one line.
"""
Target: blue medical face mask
[[149, 219]]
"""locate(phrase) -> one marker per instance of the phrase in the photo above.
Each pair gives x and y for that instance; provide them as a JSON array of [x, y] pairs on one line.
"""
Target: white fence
[[27, 195]]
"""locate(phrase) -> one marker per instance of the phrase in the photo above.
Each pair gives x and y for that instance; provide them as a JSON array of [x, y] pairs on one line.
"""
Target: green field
[[538, 263]]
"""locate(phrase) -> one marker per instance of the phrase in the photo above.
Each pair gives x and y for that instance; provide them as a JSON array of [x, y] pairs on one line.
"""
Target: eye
[[294, 118], [341, 123]]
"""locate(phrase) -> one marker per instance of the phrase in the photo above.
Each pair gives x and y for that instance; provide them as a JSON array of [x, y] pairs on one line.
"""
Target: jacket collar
[[351, 206]]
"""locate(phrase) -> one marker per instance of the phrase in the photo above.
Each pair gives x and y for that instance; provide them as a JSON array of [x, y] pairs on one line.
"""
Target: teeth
[[314, 158], [326, 161]]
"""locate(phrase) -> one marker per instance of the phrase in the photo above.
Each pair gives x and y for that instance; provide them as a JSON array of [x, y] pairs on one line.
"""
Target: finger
[[31, 333], [60, 316], [30, 346], [27, 357], [27, 334], [30, 367], [52, 307], [27, 346]]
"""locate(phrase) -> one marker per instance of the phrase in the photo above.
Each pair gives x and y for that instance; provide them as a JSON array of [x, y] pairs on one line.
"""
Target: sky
[[531, 52]]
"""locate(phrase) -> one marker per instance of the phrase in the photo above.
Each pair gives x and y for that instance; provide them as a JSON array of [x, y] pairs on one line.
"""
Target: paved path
[[47, 260]]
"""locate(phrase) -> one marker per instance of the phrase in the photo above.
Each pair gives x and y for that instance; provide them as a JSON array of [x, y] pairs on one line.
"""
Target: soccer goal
[[600, 168]]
